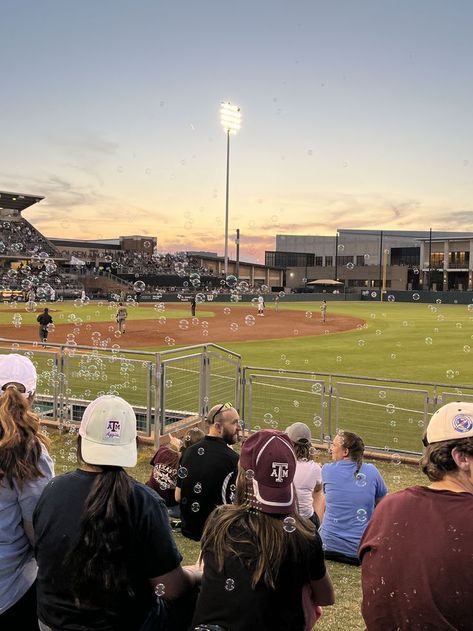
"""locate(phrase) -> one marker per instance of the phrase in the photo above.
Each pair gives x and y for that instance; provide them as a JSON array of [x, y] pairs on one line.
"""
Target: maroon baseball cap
[[270, 463]]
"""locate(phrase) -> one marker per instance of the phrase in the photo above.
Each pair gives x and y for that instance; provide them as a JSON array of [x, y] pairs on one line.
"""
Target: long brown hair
[[20, 438], [355, 446], [98, 563], [230, 526]]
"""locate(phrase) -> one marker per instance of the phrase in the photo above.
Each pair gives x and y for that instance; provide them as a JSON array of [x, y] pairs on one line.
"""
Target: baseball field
[[390, 340]]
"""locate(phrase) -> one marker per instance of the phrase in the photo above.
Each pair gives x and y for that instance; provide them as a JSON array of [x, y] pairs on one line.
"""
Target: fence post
[[159, 408], [238, 387], [328, 424], [149, 399], [204, 383], [59, 365]]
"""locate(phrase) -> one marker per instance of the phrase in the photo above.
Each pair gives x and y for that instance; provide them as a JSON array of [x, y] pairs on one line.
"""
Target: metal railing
[[175, 388]]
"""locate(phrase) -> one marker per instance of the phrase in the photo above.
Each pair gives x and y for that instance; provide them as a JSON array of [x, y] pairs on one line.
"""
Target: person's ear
[[463, 461]]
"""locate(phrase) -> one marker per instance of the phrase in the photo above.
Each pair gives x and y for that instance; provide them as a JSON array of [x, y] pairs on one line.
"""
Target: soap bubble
[[229, 584], [231, 281], [361, 515], [182, 473], [360, 479], [139, 286]]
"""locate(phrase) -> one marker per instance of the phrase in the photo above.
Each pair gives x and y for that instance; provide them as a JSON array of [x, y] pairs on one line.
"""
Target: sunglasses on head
[[224, 406]]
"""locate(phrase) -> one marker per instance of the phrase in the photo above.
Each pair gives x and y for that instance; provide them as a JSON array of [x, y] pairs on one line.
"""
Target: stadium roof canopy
[[17, 201]]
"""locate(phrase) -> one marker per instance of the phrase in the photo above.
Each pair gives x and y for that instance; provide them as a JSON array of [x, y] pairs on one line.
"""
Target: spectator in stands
[[308, 477], [351, 491], [417, 550], [208, 470], [263, 564], [45, 320], [103, 540], [25, 469]]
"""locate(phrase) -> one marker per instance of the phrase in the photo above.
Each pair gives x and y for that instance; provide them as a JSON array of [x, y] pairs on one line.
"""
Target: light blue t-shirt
[[17, 564], [349, 504]]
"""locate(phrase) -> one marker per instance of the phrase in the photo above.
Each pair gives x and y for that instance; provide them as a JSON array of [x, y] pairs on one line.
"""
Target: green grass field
[[399, 340], [403, 341]]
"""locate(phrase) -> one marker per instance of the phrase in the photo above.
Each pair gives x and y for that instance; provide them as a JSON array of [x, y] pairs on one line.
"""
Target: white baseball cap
[[108, 432], [452, 421], [299, 433], [18, 369]]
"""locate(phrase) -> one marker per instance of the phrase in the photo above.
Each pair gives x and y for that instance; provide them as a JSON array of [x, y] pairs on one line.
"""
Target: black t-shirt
[[228, 599], [56, 523], [44, 319], [209, 468]]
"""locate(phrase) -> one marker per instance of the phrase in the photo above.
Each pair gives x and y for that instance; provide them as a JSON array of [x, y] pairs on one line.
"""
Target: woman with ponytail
[[103, 540], [351, 491], [25, 469]]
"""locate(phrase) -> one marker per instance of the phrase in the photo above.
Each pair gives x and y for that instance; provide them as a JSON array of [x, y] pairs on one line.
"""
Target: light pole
[[230, 118]]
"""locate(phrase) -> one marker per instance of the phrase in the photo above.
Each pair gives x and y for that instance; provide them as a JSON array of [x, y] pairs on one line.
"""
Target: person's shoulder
[[145, 494], [368, 467], [62, 482]]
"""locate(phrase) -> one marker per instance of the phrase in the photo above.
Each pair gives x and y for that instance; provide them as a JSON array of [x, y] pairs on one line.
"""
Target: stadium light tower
[[230, 118]]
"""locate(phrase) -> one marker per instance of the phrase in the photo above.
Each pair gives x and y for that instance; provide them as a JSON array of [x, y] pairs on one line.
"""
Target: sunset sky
[[356, 114]]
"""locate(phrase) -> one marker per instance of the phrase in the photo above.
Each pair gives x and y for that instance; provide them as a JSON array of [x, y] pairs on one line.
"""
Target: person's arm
[[381, 489], [177, 494], [319, 503], [29, 532], [316, 500], [322, 591], [178, 581]]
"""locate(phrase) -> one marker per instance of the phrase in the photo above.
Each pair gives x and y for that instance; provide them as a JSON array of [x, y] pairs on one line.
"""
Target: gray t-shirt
[[17, 564]]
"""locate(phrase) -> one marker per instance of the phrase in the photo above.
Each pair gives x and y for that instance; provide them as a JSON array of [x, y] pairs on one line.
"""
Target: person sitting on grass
[[25, 469], [417, 550], [103, 542], [351, 491], [165, 463], [308, 478], [264, 565]]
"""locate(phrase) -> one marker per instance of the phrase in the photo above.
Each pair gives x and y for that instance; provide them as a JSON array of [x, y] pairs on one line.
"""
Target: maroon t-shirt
[[165, 463], [417, 562]]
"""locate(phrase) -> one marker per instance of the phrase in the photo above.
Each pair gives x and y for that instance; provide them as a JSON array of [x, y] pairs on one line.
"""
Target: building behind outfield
[[414, 259]]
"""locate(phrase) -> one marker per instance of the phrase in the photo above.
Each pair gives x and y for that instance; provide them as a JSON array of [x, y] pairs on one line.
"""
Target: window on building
[[289, 259], [360, 260], [405, 256], [329, 261], [436, 260], [318, 261], [458, 259], [343, 260]]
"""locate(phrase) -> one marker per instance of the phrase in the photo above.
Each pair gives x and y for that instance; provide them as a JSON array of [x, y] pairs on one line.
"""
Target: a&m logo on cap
[[280, 471], [113, 429], [462, 423]]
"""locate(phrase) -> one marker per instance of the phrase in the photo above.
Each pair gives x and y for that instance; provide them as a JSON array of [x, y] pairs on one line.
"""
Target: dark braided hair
[[355, 446]]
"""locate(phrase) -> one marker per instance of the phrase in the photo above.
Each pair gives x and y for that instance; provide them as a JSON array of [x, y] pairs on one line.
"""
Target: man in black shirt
[[206, 477], [44, 320]]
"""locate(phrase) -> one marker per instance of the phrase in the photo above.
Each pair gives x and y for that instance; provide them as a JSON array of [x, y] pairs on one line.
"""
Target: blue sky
[[356, 114]]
